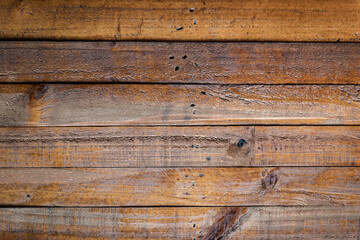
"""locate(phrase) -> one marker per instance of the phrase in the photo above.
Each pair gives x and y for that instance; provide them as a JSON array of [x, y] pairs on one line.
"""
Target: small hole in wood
[[177, 68], [184, 57]]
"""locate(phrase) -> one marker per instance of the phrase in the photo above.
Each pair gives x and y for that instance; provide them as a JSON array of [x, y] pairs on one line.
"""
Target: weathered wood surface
[[145, 104], [284, 20], [305, 222], [179, 186], [155, 62], [180, 146]]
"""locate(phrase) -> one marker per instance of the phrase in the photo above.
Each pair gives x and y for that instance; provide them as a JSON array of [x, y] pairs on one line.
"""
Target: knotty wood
[[114, 104], [320, 222], [179, 186], [284, 20], [179, 146], [155, 62]]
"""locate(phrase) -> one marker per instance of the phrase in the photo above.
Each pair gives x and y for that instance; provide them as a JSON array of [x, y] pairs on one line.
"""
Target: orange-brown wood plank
[[308, 222], [283, 20], [156, 62], [179, 186], [180, 146], [129, 104]]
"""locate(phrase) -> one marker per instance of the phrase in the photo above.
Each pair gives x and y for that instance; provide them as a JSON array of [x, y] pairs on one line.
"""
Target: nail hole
[[196, 65], [241, 142], [208, 158], [171, 57], [184, 57], [192, 105], [192, 9], [194, 225], [195, 22], [203, 93], [179, 28], [201, 175], [176, 68]]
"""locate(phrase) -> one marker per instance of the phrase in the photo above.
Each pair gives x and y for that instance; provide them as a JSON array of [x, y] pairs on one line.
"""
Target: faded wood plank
[[179, 146], [284, 20], [180, 186], [340, 222], [155, 62], [129, 104]]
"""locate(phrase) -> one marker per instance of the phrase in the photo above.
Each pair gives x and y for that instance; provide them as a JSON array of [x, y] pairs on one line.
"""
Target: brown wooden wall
[[179, 119]]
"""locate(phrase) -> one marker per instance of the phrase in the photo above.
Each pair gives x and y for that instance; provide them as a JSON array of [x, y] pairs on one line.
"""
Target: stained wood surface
[[319, 222], [179, 146], [284, 20], [155, 62], [129, 104], [179, 186]]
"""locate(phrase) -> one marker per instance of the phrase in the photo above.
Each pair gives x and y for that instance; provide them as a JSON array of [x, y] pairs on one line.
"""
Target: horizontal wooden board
[[180, 146], [284, 20], [151, 104], [305, 222], [179, 186], [156, 62]]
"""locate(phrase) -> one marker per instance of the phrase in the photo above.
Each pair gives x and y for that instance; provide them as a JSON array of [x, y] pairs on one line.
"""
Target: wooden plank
[[284, 20], [155, 62], [179, 146], [179, 186], [149, 104], [306, 222]]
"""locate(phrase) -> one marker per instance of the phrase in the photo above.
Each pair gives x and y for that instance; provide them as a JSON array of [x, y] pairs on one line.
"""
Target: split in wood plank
[[179, 186], [180, 62], [180, 146], [151, 104], [284, 20]]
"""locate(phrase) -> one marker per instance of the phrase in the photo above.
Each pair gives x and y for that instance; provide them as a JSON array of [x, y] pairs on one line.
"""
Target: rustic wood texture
[[155, 62], [283, 20], [305, 222], [179, 146], [129, 104], [179, 186]]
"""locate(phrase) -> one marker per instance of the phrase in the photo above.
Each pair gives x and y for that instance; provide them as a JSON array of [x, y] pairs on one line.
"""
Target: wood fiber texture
[[282, 20], [180, 186], [180, 146], [196, 62], [144, 104], [307, 222]]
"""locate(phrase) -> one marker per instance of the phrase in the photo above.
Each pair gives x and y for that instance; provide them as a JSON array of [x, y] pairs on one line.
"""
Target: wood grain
[[306, 222], [283, 20], [155, 62], [179, 146], [179, 186], [151, 104]]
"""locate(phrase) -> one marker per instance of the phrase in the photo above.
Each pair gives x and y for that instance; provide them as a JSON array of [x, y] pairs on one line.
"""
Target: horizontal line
[[169, 40], [162, 125], [180, 206], [179, 167], [178, 83]]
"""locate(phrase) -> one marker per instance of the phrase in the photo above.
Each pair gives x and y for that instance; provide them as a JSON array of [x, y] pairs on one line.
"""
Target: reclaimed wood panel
[[179, 186], [308, 222], [180, 146], [283, 20], [151, 104], [156, 62]]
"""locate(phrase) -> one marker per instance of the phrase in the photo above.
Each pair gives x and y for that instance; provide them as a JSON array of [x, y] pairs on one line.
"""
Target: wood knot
[[269, 181], [241, 142], [40, 90]]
